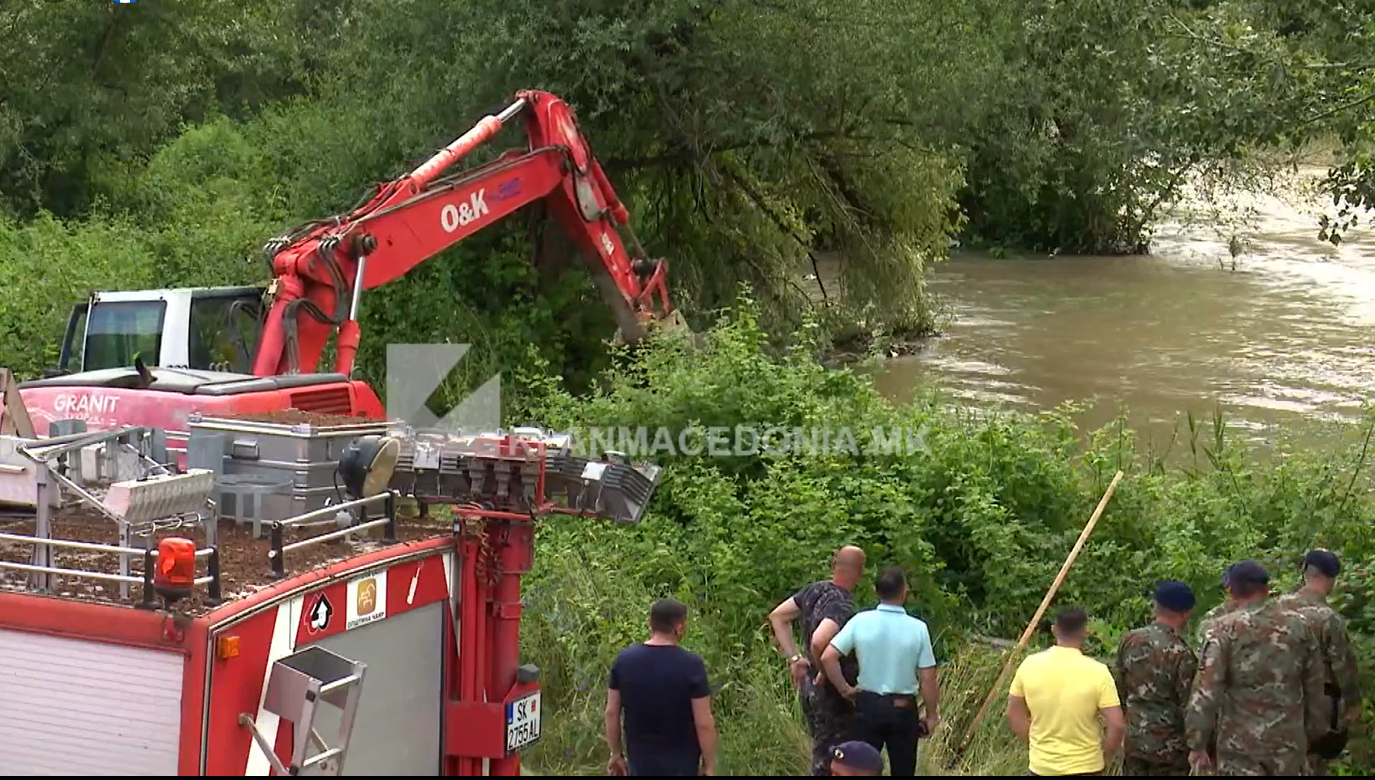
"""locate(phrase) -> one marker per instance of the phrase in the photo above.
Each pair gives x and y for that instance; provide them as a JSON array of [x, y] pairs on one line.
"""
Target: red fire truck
[[348, 639]]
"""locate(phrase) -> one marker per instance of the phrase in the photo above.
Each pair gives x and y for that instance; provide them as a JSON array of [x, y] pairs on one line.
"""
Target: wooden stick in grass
[[1036, 619]]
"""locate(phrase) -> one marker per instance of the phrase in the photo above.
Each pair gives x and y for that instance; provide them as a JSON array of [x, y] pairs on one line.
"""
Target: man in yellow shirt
[[1057, 698]]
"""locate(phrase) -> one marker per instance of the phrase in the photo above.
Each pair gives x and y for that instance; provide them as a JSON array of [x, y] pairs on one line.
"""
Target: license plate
[[523, 722]]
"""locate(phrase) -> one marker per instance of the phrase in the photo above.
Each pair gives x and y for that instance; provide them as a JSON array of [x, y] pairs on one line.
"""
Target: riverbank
[[981, 513]]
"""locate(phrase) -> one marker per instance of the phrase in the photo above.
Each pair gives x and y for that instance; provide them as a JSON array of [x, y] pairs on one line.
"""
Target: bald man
[[823, 608]]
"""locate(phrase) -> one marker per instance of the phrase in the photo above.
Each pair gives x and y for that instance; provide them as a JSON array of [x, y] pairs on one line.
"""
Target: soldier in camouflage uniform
[[1342, 691], [823, 607], [1204, 626], [1213, 614], [1155, 671], [1259, 685]]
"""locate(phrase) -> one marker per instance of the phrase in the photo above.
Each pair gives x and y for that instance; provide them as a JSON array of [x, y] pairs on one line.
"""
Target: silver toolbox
[[301, 454]]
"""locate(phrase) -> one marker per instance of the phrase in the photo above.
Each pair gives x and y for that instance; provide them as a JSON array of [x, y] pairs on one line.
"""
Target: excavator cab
[[152, 358], [204, 328]]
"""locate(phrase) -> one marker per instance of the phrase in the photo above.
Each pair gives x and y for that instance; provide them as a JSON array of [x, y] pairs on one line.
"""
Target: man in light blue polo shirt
[[891, 646]]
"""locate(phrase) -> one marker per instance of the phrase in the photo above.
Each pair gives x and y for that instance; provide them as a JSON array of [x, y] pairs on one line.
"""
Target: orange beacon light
[[175, 575]]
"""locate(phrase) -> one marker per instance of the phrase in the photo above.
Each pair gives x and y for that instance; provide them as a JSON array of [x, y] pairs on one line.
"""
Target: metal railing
[[145, 578], [277, 554], [57, 473], [55, 461]]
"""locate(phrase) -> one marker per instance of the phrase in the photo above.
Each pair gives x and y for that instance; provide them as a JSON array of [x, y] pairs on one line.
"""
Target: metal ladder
[[297, 686]]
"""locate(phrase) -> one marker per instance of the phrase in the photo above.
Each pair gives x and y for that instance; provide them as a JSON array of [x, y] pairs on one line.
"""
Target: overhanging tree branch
[[684, 155]]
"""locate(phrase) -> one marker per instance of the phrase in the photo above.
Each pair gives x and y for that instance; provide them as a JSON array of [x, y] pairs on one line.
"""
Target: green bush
[[982, 517], [46, 266]]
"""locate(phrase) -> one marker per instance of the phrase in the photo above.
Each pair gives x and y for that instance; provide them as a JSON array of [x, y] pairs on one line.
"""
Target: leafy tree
[[88, 85], [1111, 107], [741, 134], [745, 136]]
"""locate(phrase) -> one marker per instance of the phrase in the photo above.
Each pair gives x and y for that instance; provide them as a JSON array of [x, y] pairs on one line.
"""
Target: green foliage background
[[162, 143]]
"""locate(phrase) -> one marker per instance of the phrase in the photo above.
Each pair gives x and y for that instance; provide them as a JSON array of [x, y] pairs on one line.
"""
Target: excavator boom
[[321, 270], [215, 352]]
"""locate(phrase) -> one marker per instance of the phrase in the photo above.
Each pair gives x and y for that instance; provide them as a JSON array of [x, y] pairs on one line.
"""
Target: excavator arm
[[322, 268]]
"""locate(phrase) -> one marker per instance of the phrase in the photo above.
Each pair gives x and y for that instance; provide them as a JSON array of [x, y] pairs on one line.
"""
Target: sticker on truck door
[[367, 600], [523, 722]]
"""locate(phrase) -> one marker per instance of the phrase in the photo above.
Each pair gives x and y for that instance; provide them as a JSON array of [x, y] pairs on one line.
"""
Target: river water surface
[[1285, 336]]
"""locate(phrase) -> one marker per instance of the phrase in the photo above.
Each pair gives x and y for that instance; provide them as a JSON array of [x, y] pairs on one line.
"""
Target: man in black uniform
[[823, 608]]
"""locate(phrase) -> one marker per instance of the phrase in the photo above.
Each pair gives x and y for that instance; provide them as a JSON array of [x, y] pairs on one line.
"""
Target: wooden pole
[[1040, 611], [14, 415]]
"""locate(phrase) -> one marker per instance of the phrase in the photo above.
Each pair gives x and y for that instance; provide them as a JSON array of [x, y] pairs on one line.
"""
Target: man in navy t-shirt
[[663, 691]]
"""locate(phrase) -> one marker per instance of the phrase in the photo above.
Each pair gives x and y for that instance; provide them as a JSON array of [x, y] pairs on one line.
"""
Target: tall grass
[[758, 719], [581, 614], [760, 722]]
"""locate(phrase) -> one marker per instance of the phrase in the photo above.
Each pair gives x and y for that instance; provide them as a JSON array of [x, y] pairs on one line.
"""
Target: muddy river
[[1286, 336]]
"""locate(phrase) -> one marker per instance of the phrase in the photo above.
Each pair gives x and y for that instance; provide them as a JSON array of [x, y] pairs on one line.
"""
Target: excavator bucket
[[669, 323], [673, 321]]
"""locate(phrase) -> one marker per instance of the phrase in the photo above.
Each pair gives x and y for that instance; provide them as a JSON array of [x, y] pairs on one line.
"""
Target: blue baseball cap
[[860, 755]]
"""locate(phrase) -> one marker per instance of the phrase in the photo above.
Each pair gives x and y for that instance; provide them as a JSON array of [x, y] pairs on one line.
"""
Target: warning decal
[[320, 613]]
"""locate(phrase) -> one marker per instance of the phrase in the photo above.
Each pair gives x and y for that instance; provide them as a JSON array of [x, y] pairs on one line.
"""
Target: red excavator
[[152, 358]]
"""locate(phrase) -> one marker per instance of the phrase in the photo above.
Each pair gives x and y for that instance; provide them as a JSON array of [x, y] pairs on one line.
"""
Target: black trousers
[[830, 721], [664, 764], [893, 723]]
